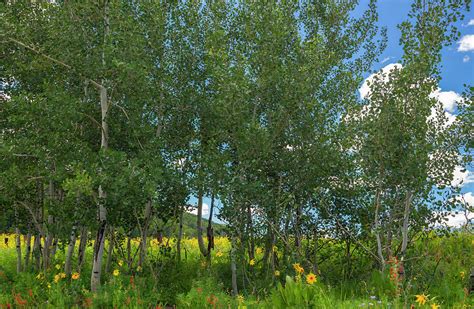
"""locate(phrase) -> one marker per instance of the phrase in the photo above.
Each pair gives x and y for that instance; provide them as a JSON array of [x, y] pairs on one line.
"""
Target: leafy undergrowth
[[436, 275]]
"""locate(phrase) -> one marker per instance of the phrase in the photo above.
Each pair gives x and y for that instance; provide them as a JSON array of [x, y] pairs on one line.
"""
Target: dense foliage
[[116, 115]]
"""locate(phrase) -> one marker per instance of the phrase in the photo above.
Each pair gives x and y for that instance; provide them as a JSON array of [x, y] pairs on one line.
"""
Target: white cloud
[[385, 59], [205, 210], [466, 59], [469, 198], [471, 22], [462, 177], [447, 98], [466, 43], [364, 90], [459, 219]]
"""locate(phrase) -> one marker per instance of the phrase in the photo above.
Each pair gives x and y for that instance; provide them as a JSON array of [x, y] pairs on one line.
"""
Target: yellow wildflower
[[219, 254], [40, 276], [277, 273], [116, 272], [252, 262], [49, 286], [58, 267], [421, 299], [259, 250], [275, 248], [298, 268], [240, 298], [75, 276], [120, 263], [56, 278], [62, 275], [311, 278], [434, 306], [462, 274]]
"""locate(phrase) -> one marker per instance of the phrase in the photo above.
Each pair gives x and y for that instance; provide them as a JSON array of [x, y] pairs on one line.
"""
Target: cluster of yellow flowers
[[310, 278], [298, 268], [421, 299], [58, 277]]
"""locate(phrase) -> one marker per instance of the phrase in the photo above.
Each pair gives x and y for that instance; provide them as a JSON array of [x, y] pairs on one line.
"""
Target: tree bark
[[27, 250], [70, 250], [143, 241], [180, 234], [233, 268], [47, 244], [110, 250], [82, 248], [202, 247], [104, 106], [377, 231], [18, 249], [406, 219], [210, 230]]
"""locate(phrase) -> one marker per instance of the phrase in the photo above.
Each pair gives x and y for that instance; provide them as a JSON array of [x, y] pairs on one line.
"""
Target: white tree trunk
[[70, 250], [104, 106], [143, 241], [233, 268], [202, 247], [18, 250], [27, 250], [377, 231], [82, 248], [406, 219]]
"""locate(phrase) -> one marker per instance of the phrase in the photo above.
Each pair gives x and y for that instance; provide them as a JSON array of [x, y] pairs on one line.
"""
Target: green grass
[[434, 268]]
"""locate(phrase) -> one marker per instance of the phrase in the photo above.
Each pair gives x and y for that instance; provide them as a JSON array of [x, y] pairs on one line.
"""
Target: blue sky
[[457, 64]]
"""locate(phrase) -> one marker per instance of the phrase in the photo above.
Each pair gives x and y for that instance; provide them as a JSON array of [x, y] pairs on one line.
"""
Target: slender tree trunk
[[210, 231], [82, 248], [47, 244], [54, 248], [129, 252], [99, 245], [406, 219], [377, 231], [297, 226], [70, 250], [18, 249], [110, 250], [143, 241], [202, 247], [27, 250], [37, 250], [233, 268], [250, 232], [180, 234], [104, 107]]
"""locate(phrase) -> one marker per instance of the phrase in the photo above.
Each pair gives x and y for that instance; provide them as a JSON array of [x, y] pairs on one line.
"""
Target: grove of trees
[[115, 113]]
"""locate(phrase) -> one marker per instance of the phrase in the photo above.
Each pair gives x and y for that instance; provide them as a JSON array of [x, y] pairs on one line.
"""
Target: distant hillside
[[190, 227]]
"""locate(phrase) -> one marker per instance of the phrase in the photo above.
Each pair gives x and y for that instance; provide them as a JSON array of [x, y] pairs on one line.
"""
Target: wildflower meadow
[[236, 154]]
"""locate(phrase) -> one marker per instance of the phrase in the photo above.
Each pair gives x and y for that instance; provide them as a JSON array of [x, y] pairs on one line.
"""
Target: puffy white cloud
[[447, 98], [459, 219], [205, 210], [466, 59], [462, 176], [364, 90], [471, 22], [466, 43], [469, 198]]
